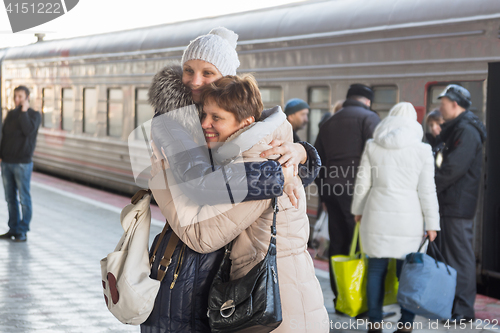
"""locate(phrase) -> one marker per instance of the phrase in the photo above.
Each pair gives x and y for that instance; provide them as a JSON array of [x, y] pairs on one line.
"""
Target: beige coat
[[249, 224]]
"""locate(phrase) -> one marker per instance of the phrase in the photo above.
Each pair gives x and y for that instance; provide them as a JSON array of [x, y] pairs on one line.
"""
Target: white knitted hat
[[217, 48]]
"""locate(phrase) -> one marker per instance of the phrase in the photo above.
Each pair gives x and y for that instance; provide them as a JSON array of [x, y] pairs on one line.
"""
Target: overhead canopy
[[290, 22]]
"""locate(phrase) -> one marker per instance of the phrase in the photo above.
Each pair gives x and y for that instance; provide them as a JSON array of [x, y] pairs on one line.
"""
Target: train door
[[490, 260], [319, 102]]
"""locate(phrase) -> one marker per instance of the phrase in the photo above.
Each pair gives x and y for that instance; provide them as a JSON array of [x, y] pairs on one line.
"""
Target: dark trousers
[[375, 290], [340, 227], [455, 244]]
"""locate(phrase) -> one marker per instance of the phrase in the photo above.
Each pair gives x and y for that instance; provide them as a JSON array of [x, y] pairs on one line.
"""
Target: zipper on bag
[[178, 267]]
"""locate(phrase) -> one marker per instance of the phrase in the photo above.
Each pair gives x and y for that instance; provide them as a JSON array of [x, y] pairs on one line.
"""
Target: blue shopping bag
[[426, 285]]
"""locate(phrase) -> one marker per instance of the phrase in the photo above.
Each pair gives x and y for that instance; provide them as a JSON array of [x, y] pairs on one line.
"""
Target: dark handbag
[[251, 303]]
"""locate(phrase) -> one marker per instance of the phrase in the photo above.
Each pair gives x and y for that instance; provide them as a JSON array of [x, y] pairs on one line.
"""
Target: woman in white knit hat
[[206, 59], [395, 201], [210, 57]]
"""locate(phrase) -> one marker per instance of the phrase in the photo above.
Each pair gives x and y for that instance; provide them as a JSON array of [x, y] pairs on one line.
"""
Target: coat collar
[[353, 102], [247, 137], [465, 117]]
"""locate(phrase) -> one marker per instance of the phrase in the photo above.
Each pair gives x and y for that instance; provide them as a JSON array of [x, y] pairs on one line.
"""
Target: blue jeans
[[377, 270], [16, 180]]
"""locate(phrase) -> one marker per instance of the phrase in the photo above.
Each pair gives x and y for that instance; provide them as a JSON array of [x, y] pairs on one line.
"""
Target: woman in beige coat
[[208, 228]]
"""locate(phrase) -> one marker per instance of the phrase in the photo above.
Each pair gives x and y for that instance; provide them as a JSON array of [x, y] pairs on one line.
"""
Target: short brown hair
[[239, 95], [23, 88]]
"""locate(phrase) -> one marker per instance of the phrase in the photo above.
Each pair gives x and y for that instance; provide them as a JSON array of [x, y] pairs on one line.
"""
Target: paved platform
[[52, 283]]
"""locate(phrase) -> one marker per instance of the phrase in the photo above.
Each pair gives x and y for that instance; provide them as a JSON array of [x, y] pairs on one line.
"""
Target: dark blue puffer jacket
[[183, 308]]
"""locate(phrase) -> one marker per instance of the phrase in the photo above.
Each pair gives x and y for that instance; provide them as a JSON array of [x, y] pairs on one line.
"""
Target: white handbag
[[129, 292]]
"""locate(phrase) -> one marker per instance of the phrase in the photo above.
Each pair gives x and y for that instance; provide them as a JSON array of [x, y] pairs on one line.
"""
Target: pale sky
[[100, 16]]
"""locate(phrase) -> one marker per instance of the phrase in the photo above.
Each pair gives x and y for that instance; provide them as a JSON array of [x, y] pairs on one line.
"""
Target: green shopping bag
[[391, 284], [351, 276]]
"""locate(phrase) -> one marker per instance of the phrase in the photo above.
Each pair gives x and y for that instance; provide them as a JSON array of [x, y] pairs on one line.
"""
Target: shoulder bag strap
[[274, 203], [169, 250]]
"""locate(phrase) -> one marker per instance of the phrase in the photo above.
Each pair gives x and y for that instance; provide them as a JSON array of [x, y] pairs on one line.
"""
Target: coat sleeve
[[29, 125], [459, 159], [309, 171], [321, 154], [363, 183], [205, 228], [369, 125], [427, 193], [207, 182]]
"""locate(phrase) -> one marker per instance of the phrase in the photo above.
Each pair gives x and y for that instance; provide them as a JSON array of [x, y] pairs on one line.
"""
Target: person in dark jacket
[[340, 143], [458, 173], [16, 151], [297, 112]]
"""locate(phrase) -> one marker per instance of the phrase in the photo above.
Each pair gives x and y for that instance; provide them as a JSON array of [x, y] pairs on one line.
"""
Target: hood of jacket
[[398, 132], [167, 92], [467, 117]]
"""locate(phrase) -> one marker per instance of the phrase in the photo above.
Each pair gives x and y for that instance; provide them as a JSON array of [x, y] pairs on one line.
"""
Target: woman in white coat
[[395, 195]]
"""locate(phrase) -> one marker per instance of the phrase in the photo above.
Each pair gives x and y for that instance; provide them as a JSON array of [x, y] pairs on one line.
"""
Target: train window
[[47, 107], [89, 110], [319, 102], [115, 112], [143, 110], [271, 96], [435, 91], [384, 98], [68, 109]]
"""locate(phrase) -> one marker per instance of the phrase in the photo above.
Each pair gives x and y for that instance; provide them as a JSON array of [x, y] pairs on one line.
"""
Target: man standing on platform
[[19, 133], [340, 143], [297, 112], [458, 174]]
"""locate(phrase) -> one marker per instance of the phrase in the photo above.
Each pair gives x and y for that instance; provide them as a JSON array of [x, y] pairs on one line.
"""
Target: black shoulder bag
[[251, 303]]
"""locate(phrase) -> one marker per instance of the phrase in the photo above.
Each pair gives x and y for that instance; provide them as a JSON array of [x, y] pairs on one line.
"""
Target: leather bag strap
[[274, 203], [167, 256], [160, 238], [172, 242]]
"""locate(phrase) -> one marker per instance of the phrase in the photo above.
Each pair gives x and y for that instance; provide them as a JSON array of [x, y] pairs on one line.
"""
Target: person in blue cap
[[458, 174], [297, 112]]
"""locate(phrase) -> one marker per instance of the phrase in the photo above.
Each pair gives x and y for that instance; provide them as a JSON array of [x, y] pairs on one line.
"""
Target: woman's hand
[[292, 154], [357, 218], [158, 161], [432, 234]]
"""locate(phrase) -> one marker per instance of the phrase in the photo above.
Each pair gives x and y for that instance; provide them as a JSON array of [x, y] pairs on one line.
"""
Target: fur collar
[[167, 92]]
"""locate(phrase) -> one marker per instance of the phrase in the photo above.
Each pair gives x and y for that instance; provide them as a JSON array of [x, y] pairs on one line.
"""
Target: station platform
[[52, 283]]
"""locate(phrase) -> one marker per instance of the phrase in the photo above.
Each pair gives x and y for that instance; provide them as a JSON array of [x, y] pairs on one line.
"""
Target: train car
[[92, 90]]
